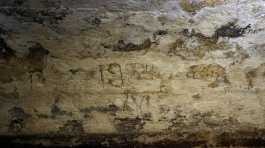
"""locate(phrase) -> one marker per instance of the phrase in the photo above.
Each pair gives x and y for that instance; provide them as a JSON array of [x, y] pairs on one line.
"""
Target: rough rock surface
[[133, 72]]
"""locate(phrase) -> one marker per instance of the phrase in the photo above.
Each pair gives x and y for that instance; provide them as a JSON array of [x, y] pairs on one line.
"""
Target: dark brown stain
[[18, 119], [105, 109], [96, 21], [36, 56], [255, 73], [121, 46], [18, 113], [159, 33], [249, 76], [129, 125], [74, 71], [72, 127], [231, 30], [57, 111], [110, 109], [41, 16], [196, 96]]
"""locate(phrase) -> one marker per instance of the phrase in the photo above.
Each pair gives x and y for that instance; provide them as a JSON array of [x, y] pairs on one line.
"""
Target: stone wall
[[119, 72]]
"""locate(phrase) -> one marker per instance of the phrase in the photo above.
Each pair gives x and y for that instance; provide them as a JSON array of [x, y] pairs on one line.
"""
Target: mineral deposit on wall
[[146, 72]]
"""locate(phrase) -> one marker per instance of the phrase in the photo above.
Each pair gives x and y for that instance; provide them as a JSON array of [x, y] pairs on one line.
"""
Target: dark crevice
[[5, 51]]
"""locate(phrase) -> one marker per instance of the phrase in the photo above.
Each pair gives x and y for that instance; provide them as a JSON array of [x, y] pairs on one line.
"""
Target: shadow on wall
[[236, 139]]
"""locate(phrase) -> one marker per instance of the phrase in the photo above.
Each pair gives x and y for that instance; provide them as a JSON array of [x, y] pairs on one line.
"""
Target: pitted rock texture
[[112, 73]]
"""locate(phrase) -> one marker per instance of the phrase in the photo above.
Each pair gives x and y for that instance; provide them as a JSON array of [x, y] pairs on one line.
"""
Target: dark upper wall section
[[114, 5]]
